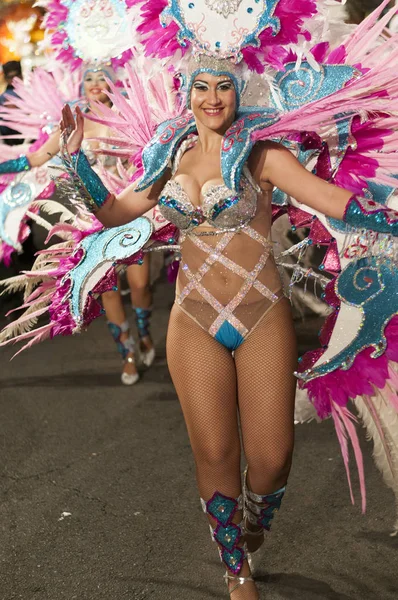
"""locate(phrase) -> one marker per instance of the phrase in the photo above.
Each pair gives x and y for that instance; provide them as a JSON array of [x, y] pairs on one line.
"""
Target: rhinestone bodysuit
[[226, 281]]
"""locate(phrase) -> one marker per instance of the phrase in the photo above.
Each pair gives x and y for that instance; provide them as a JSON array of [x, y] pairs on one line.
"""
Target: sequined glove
[[92, 191], [367, 214], [15, 165]]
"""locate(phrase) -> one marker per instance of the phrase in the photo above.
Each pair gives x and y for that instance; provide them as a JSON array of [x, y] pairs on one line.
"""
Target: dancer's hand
[[72, 131]]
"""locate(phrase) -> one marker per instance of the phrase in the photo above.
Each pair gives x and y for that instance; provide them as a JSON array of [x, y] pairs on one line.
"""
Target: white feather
[[51, 207], [385, 445]]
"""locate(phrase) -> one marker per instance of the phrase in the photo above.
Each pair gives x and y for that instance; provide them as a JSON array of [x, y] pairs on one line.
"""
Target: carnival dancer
[[231, 345], [33, 114], [90, 66], [34, 164]]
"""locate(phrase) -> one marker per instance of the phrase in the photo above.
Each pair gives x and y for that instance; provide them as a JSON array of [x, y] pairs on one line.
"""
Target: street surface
[[99, 502]]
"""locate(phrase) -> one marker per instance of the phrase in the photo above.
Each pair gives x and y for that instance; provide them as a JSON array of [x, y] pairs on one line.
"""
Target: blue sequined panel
[[116, 332], [228, 536], [15, 165], [222, 508], [368, 214], [106, 247], [267, 514], [16, 195], [142, 320], [161, 148], [297, 87], [237, 142], [370, 284], [381, 193], [91, 181], [233, 560]]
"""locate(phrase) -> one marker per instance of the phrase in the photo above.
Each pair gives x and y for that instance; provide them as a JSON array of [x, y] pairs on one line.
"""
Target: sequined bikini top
[[221, 207]]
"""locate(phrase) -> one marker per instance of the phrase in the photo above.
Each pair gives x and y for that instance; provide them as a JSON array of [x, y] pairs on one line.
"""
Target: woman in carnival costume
[[220, 175], [92, 78], [34, 115]]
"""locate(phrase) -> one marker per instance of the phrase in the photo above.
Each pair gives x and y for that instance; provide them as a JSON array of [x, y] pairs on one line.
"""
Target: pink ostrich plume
[[37, 108], [292, 15], [161, 41], [147, 98], [369, 159]]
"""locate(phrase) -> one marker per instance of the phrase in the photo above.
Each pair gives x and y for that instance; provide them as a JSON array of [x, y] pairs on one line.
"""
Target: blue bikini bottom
[[227, 335]]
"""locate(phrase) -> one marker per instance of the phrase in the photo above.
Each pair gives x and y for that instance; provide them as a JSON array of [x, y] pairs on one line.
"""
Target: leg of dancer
[[214, 387], [120, 330], [138, 277]]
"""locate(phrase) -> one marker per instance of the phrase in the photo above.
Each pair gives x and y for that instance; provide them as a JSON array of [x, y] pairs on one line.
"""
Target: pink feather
[[347, 419], [342, 437]]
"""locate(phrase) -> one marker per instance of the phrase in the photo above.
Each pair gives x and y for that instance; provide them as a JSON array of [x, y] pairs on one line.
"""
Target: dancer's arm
[[109, 209], [25, 162], [278, 166], [46, 152]]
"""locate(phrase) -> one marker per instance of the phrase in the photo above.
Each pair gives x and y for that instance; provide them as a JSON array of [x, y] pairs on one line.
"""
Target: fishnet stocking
[[265, 363], [211, 384]]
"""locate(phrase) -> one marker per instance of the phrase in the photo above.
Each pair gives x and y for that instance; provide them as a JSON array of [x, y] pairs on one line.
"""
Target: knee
[[269, 472], [139, 287], [140, 293], [216, 456]]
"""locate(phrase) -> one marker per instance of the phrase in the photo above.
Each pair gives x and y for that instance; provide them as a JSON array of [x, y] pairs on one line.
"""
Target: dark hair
[[12, 66]]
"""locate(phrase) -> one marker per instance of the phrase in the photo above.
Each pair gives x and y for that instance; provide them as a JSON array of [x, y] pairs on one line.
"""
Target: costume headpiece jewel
[[91, 31], [234, 29]]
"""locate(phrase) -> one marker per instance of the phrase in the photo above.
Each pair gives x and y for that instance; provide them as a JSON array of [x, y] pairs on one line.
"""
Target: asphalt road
[[98, 496]]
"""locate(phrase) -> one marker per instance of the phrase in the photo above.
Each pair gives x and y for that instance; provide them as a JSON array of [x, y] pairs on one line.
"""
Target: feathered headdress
[[89, 32], [254, 31]]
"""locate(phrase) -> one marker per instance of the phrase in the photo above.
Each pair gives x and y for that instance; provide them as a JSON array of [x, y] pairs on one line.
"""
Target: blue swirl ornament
[[102, 250], [16, 196], [369, 284], [298, 86]]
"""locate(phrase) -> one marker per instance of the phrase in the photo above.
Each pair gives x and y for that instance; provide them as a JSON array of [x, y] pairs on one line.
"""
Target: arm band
[[91, 181], [15, 165], [367, 214]]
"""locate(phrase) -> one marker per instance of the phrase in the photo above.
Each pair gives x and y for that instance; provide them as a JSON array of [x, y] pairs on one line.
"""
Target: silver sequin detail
[[223, 7], [221, 207]]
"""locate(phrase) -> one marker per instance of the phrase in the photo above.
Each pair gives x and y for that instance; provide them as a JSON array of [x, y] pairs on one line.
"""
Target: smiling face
[[213, 101], [94, 84]]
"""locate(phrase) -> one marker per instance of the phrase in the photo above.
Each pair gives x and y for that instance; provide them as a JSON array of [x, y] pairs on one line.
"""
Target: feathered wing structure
[[380, 418], [37, 108], [67, 278], [145, 99], [16, 209], [34, 114], [357, 360]]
